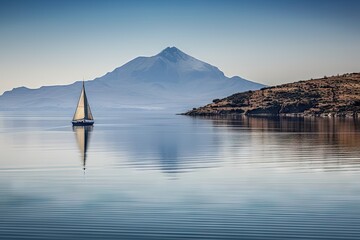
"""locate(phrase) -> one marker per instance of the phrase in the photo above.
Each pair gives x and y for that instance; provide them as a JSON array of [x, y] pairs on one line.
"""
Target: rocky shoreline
[[335, 96]]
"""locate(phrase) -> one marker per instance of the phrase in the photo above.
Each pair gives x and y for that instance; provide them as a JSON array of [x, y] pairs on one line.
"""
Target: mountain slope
[[328, 96], [170, 79]]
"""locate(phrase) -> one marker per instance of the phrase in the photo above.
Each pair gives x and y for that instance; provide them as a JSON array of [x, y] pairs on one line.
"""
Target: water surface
[[162, 176]]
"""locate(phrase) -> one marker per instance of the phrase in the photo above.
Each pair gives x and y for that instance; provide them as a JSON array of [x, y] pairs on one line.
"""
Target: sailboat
[[83, 115]]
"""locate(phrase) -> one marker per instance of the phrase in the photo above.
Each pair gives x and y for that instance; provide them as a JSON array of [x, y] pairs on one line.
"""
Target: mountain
[[168, 80], [328, 96]]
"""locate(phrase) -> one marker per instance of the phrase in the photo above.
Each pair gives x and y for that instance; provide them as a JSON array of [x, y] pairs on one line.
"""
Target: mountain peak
[[163, 81], [173, 54]]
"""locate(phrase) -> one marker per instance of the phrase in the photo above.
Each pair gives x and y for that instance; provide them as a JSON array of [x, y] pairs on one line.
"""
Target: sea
[[157, 175]]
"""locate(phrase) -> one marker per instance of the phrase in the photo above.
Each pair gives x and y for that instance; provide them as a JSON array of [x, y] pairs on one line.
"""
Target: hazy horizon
[[59, 42]]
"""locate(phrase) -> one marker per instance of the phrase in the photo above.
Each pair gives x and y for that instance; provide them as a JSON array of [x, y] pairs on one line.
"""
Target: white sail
[[80, 111], [83, 111], [89, 114]]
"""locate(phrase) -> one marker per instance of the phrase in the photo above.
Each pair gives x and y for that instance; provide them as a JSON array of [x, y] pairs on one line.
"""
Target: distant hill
[[169, 80], [328, 96]]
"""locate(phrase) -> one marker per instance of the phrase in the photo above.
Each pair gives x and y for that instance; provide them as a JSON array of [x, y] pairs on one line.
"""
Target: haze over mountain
[[168, 80]]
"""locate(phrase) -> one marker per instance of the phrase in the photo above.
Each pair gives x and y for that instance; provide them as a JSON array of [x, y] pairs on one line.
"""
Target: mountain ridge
[[167, 80]]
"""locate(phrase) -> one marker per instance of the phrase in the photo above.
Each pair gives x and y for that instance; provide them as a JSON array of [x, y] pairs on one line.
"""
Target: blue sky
[[271, 42]]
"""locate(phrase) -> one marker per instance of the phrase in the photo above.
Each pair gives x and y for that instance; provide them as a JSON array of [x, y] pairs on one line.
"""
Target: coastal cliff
[[328, 96]]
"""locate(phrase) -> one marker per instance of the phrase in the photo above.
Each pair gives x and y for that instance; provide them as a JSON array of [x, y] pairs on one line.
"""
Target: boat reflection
[[82, 134]]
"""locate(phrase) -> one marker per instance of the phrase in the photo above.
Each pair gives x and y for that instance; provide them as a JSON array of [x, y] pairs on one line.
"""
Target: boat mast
[[85, 103]]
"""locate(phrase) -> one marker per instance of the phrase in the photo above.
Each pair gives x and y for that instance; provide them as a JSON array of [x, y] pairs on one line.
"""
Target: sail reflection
[[83, 139]]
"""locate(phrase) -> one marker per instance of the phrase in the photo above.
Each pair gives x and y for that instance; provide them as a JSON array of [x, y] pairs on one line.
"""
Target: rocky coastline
[[335, 96]]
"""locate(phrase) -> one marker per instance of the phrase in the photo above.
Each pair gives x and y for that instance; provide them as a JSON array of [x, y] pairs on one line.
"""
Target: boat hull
[[82, 123]]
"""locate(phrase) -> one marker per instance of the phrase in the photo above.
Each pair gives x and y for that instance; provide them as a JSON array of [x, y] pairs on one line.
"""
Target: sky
[[270, 42]]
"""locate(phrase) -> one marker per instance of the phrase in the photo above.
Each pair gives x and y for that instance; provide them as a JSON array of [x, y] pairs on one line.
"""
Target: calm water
[[148, 176]]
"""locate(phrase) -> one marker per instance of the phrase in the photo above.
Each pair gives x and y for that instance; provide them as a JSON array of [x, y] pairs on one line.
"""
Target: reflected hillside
[[168, 145], [340, 131], [316, 143], [175, 144]]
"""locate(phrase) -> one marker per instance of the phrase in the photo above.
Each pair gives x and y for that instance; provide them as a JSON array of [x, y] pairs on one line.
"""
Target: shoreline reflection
[[337, 131], [320, 144]]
